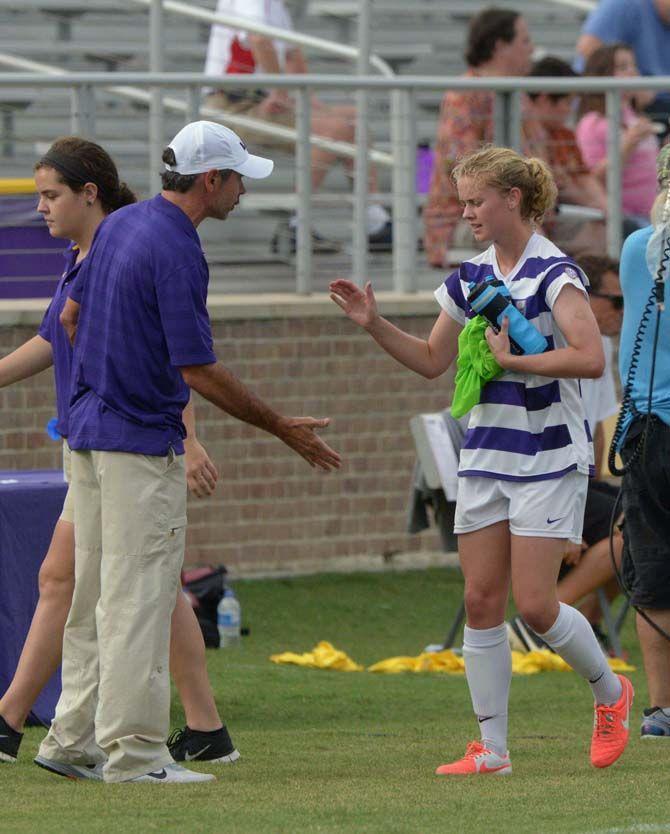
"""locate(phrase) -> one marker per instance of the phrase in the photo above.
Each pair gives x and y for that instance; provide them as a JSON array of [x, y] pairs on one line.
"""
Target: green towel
[[476, 366]]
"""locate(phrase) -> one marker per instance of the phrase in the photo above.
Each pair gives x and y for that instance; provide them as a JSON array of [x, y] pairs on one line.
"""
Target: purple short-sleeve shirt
[[143, 294], [52, 330]]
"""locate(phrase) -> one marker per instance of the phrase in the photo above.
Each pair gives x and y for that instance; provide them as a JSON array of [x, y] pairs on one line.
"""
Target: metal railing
[[507, 92], [350, 53], [365, 60], [582, 5]]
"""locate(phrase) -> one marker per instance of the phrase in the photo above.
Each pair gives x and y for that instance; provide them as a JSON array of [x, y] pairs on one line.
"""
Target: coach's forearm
[[222, 388]]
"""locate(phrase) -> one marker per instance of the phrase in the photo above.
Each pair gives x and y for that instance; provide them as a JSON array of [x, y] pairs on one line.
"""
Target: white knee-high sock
[[573, 639], [488, 668]]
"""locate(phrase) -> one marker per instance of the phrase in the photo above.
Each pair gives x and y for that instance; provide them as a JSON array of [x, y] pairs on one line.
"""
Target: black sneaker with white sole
[[187, 745], [382, 240], [71, 771], [285, 242], [10, 741]]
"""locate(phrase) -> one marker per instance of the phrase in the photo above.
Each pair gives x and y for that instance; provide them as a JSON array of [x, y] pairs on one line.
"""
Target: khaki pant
[[250, 107], [130, 523]]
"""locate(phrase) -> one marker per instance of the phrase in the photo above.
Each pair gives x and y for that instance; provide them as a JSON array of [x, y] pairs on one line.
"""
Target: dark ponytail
[[125, 196], [78, 161]]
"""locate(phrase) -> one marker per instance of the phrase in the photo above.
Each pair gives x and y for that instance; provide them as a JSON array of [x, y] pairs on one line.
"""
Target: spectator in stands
[[499, 44], [639, 143], [237, 51], [558, 143], [644, 26]]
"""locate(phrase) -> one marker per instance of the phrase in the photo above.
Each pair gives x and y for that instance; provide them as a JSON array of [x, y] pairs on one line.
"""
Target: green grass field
[[355, 752]]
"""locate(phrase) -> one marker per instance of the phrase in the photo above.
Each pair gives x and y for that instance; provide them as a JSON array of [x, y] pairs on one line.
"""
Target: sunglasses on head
[[615, 300]]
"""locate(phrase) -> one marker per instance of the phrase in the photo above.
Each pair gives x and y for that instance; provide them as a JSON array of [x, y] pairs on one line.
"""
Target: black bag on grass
[[204, 587]]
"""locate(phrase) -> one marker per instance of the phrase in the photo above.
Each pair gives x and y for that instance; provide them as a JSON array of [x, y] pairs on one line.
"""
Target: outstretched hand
[[201, 474], [359, 304], [299, 433]]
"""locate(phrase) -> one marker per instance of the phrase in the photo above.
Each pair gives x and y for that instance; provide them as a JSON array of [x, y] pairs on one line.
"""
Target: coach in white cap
[[203, 146], [144, 338]]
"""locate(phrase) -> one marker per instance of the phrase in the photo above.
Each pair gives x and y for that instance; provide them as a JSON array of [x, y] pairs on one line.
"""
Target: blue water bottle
[[492, 300]]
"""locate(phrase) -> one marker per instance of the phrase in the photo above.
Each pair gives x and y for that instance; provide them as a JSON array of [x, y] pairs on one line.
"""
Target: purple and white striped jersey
[[526, 427]]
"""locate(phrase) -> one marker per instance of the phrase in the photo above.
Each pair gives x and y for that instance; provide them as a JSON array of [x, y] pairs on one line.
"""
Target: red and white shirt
[[228, 51]]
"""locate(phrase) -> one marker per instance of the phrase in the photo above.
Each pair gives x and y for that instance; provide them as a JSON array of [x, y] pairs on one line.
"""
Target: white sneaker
[[71, 771], [173, 773]]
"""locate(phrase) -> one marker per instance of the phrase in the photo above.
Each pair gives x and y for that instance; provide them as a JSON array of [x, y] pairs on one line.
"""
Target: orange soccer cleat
[[478, 760], [611, 727]]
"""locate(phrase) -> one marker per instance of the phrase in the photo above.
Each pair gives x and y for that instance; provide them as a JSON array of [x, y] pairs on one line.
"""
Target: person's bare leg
[[656, 656], [593, 570], [590, 605], [331, 127], [485, 561], [347, 113], [42, 650], [535, 565], [188, 667]]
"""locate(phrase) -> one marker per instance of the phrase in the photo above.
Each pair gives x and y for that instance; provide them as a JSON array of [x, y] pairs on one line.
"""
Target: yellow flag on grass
[[444, 661], [325, 656]]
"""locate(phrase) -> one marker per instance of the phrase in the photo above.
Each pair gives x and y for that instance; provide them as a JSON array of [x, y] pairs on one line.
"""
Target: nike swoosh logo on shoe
[[158, 774], [484, 768], [190, 757]]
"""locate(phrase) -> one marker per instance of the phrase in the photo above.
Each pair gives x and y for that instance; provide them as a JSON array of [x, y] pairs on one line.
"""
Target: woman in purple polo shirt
[[78, 186], [526, 456]]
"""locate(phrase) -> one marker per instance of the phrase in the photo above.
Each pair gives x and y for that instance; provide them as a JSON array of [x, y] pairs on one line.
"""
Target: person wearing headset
[[644, 443]]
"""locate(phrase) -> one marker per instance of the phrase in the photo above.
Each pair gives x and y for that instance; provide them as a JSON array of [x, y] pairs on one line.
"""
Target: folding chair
[[437, 438]]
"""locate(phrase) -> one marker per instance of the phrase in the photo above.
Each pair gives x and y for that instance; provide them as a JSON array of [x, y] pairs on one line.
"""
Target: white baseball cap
[[204, 146]]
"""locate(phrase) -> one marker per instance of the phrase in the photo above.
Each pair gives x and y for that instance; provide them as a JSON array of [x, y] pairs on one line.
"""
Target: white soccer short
[[552, 509]]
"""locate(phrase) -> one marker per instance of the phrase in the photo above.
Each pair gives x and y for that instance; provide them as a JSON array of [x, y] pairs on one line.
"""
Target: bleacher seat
[[423, 37]]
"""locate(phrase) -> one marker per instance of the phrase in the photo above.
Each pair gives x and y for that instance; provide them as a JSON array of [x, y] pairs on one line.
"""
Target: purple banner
[[31, 260]]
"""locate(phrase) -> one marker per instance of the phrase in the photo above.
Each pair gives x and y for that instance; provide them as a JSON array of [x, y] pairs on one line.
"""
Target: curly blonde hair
[[504, 169]]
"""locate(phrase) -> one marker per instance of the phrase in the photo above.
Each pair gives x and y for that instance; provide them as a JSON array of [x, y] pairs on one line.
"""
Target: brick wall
[[271, 511]]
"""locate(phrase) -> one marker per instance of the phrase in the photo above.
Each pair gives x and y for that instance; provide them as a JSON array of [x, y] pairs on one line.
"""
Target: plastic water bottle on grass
[[228, 619]]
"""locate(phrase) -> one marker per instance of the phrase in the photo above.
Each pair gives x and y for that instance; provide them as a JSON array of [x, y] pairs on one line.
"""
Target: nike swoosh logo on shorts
[[190, 758], [554, 520]]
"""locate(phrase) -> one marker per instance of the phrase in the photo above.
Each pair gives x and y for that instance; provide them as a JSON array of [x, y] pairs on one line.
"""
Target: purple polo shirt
[[143, 294], [52, 330]]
